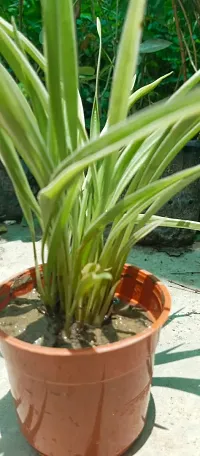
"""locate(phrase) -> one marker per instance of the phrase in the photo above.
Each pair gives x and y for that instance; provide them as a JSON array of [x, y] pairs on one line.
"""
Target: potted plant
[[93, 400]]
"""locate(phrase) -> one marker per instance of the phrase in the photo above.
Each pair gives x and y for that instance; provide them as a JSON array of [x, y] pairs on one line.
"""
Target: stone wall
[[9, 206], [185, 205]]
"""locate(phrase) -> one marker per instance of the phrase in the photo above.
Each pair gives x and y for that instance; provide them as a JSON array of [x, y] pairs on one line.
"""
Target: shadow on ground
[[17, 232], [12, 442], [179, 315], [188, 385], [180, 266]]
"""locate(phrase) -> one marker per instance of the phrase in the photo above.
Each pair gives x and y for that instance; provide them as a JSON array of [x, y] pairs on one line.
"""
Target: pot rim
[[110, 347]]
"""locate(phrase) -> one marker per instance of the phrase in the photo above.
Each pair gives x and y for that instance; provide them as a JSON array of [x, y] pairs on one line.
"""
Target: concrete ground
[[173, 423]]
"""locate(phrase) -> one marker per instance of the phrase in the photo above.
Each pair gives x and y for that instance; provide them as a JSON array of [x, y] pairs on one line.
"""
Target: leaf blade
[[69, 66]]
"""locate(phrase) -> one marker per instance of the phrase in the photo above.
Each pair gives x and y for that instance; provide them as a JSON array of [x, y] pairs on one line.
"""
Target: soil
[[25, 319]]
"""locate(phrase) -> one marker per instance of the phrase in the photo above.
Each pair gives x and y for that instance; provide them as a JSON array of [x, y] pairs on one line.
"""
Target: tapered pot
[[88, 402]]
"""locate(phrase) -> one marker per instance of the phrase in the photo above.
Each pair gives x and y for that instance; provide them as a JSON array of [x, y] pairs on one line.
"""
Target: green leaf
[[126, 63], [174, 223], [145, 90], [95, 120], [166, 151], [137, 127], [150, 46], [20, 123], [89, 280], [176, 147], [28, 46], [59, 225], [25, 73], [140, 234], [124, 71], [86, 16], [186, 87], [50, 13], [140, 199], [69, 65], [86, 71]]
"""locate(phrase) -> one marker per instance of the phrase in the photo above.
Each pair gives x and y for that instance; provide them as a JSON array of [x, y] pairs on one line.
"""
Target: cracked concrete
[[172, 428]]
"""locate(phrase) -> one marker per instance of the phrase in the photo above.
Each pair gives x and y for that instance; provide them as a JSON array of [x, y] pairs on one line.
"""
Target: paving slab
[[172, 427]]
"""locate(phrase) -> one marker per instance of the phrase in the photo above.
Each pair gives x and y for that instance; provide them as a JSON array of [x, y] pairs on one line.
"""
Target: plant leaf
[[145, 90], [69, 65], [18, 120], [25, 73], [51, 26], [86, 71], [150, 46], [28, 46], [137, 127], [174, 223], [95, 120], [126, 63]]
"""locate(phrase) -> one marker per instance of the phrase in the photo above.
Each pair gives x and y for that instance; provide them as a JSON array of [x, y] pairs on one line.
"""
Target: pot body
[[89, 402]]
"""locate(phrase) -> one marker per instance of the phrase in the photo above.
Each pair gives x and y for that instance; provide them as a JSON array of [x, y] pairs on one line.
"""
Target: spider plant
[[81, 174]]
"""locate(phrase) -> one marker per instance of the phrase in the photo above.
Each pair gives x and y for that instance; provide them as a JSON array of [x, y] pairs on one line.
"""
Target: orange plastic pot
[[89, 402]]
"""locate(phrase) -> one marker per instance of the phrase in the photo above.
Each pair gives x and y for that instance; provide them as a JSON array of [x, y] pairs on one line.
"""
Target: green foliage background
[[159, 24]]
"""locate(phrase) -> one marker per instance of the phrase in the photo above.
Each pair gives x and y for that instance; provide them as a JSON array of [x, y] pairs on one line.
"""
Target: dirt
[[25, 319]]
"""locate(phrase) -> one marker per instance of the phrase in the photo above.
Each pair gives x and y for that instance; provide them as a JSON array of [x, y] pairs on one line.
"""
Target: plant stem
[[181, 44], [190, 32], [21, 5]]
